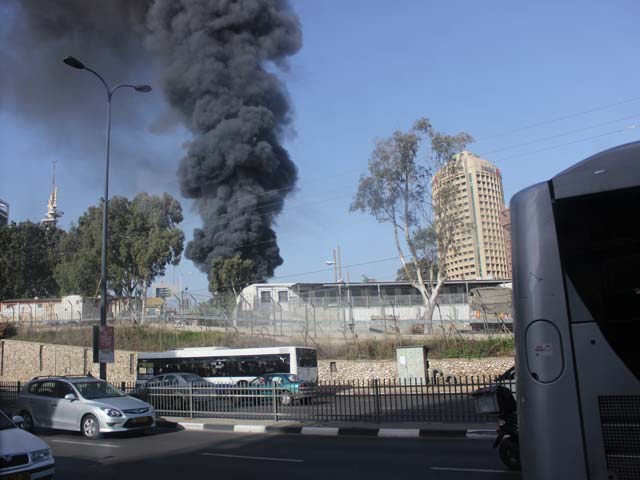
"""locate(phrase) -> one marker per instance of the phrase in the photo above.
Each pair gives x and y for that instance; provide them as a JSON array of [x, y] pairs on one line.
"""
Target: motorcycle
[[498, 400]]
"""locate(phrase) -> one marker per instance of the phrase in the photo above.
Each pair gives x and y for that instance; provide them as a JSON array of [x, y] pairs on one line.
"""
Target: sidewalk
[[395, 430]]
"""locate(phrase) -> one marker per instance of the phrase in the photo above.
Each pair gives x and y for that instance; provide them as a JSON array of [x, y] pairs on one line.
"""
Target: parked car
[[23, 455], [87, 404], [286, 386], [172, 391]]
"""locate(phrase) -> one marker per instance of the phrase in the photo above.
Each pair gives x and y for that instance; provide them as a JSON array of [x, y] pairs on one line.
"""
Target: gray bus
[[576, 283]]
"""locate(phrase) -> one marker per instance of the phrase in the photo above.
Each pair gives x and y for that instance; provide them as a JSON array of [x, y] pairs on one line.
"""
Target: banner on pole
[[103, 344]]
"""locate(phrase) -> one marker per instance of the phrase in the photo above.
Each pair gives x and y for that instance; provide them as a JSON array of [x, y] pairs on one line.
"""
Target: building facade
[[505, 222], [474, 195], [361, 308], [4, 213]]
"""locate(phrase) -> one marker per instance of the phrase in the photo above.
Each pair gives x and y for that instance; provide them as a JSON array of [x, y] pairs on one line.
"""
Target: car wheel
[[286, 399], [90, 427], [28, 421]]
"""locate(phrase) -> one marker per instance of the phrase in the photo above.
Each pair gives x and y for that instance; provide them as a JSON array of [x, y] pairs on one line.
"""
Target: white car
[[23, 455]]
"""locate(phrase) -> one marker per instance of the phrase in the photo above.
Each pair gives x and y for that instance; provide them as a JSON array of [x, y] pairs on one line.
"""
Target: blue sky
[[367, 68]]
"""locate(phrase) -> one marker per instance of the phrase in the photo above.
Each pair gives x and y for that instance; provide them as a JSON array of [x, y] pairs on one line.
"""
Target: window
[[265, 297], [307, 357], [61, 389], [241, 366], [283, 296], [601, 260], [45, 389]]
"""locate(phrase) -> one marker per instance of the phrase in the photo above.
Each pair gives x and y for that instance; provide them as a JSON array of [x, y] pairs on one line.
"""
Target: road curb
[[332, 431]]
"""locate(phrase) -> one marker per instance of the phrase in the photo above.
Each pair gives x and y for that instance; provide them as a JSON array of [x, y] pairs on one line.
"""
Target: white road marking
[[192, 426], [481, 434], [319, 430], [399, 432], [271, 459], [107, 445], [250, 428], [475, 470]]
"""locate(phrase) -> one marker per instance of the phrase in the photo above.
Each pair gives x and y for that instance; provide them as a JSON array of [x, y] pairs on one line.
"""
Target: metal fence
[[378, 401]]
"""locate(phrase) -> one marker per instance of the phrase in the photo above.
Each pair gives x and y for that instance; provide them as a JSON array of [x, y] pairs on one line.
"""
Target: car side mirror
[[70, 396], [19, 421]]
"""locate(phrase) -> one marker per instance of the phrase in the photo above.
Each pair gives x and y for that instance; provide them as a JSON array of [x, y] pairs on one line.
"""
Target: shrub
[[417, 329], [8, 330]]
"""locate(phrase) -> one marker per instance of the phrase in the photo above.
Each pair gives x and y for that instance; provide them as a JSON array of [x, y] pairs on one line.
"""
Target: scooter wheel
[[509, 452]]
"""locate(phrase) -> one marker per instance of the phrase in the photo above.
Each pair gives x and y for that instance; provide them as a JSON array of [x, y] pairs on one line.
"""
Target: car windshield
[[5, 423], [93, 390]]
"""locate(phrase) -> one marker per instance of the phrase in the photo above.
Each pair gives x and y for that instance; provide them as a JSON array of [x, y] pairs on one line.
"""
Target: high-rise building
[[505, 222], [4, 213], [472, 189]]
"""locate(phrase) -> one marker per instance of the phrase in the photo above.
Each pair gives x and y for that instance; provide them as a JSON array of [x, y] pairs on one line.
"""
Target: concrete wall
[[21, 361]]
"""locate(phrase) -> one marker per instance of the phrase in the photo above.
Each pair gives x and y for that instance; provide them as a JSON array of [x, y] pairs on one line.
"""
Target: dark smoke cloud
[[65, 108], [236, 168], [213, 57]]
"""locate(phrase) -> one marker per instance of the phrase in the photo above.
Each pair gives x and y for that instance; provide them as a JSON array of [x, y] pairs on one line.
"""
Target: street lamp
[[75, 63]]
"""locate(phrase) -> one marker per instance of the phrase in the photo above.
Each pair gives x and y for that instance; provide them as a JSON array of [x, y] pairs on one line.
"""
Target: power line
[[321, 200], [569, 132], [557, 119], [630, 127], [300, 274]]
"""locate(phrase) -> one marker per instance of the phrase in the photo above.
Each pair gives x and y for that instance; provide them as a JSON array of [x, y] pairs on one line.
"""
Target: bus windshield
[[307, 357]]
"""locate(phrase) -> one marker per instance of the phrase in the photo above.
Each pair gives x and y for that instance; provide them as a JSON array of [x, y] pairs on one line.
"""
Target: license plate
[[135, 421]]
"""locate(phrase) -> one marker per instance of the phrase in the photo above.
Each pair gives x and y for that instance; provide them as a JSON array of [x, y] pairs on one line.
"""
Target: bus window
[[307, 357], [599, 238]]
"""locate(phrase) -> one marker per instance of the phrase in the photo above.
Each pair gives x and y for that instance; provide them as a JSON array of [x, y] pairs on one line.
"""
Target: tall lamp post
[[75, 63]]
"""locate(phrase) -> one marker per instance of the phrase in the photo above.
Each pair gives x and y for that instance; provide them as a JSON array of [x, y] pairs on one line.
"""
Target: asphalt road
[[171, 454]]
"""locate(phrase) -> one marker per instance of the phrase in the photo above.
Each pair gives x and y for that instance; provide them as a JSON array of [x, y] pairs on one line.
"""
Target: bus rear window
[[307, 357], [599, 238]]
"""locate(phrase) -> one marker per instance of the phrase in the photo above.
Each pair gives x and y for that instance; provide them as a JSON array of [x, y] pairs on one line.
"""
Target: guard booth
[[576, 289], [412, 364]]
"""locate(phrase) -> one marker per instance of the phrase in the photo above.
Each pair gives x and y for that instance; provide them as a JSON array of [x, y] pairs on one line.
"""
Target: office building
[[472, 190], [4, 213]]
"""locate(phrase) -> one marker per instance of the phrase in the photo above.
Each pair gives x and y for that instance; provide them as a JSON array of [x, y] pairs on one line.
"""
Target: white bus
[[230, 366]]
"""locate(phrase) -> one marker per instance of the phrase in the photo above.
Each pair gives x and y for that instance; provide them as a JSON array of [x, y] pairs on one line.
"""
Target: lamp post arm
[[102, 80]]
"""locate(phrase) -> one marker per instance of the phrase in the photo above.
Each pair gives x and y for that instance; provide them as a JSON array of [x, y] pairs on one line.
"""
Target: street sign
[[163, 292], [103, 344]]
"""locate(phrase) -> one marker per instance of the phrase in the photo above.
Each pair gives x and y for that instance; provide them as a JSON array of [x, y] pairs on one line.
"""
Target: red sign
[[106, 344]]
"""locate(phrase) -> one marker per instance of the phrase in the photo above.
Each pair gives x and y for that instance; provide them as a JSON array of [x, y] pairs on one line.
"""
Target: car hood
[[121, 403], [15, 440]]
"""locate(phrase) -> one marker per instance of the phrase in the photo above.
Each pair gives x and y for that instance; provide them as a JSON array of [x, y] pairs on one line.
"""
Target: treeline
[[43, 261]]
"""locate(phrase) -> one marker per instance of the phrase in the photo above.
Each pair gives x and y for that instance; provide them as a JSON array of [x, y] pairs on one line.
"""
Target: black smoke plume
[[215, 58], [215, 54]]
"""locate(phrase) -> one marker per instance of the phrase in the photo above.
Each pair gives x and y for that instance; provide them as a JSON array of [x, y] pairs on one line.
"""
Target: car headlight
[[112, 412], [40, 455]]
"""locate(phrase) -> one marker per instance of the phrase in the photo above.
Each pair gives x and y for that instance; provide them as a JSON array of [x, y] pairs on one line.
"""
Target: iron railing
[[379, 401]]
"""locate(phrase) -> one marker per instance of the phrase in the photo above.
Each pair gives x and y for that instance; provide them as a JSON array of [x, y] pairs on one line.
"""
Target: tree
[[227, 278], [401, 273], [27, 260], [397, 190], [143, 239]]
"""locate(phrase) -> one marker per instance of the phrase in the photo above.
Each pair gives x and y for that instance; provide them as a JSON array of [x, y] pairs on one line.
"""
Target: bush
[[417, 329], [457, 347], [8, 330]]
